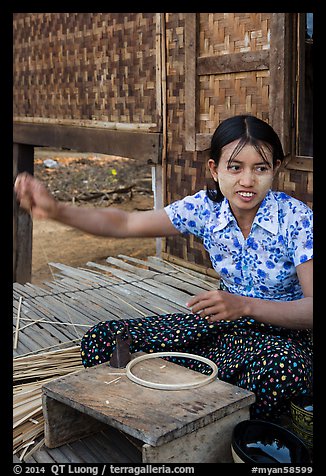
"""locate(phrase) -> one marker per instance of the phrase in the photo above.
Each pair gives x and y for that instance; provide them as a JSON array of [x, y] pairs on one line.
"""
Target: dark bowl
[[258, 441]]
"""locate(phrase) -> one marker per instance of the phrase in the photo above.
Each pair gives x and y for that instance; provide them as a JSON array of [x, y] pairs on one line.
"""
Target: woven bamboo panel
[[98, 66], [175, 86], [225, 95], [187, 174], [227, 33], [296, 183], [185, 171]]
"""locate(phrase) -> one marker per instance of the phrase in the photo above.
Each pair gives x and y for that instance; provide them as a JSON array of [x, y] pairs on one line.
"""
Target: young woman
[[257, 326]]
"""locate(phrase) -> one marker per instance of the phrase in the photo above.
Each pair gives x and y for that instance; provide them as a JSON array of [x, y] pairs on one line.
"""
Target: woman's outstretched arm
[[112, 222]]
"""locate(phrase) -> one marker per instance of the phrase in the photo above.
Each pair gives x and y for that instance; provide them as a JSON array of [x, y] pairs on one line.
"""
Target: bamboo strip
[[51, 371], [32, 413], [35, 448], [45, 360], [17, 323], [49, 353], [50, 322], [25, 450], [133, 307], [28, 433], [35, 352], [182, 270], [28, 325], [21, 407], [28, 419], [29, 429], [40, 365], [209, 272], [33, 371]]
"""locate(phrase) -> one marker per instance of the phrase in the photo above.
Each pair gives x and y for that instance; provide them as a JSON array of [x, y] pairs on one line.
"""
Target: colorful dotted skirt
[[273, 362]]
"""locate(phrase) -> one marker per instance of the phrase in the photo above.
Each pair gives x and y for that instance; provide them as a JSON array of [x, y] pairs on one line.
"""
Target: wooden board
[[108, 446], [142, 146]]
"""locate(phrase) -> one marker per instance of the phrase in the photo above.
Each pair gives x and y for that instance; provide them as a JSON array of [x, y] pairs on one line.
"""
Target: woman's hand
[[218, 305], [34, 197]]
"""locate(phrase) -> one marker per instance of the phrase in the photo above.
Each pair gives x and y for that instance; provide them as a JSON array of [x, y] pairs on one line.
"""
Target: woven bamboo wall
[[104, 67], [85, 66], [185, 170], [297, 183], [226, 33], [224, 95]]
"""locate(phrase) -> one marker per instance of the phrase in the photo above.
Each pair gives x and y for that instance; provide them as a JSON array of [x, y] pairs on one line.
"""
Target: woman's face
[[246, 180]]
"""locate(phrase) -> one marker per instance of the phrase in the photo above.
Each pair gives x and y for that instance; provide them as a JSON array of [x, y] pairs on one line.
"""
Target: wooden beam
[[233, 63], [304, 164], [142, 146]]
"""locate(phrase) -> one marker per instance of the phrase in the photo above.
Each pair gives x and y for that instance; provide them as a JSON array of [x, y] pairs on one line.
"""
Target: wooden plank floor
[[58, 315]]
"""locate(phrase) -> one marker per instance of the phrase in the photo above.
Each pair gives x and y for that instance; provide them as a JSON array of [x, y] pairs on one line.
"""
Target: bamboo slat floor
[[57, 315]]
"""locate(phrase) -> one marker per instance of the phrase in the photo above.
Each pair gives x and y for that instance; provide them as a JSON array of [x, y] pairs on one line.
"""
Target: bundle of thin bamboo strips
[[29, 374]]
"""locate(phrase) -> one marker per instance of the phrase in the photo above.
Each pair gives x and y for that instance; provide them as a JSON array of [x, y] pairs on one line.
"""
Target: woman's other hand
[[218, 305]]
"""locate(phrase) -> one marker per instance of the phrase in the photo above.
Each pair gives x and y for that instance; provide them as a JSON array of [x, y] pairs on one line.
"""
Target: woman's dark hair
[[250, 130]]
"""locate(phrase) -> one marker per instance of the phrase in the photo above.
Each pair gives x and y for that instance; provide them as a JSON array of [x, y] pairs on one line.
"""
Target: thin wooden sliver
[[17, 323], [35, 448], [32, 321]]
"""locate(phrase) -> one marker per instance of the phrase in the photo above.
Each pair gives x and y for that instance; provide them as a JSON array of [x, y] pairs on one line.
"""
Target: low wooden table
[[177, 426]]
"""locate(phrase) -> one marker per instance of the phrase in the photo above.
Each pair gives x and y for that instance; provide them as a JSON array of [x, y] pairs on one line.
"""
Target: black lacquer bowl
[[258, 441]]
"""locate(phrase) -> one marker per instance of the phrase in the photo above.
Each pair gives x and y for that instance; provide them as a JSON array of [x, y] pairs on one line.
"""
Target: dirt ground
[[88, 180]]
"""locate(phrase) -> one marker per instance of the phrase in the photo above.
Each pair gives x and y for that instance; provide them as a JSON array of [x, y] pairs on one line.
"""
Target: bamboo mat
[[49, 322], [78, 298]]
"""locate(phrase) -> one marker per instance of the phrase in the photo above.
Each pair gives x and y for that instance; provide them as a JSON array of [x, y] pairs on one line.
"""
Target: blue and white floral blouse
[[263, 265]]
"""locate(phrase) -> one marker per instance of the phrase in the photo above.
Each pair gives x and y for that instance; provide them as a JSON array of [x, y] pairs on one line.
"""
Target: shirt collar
[[266, 216], [224, 215]]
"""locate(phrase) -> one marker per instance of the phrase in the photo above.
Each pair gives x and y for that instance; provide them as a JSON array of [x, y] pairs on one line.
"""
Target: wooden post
[[23, 160], [191, 99], [280, 70]]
